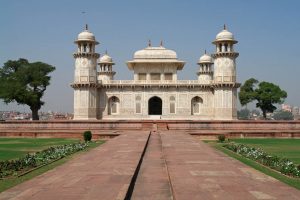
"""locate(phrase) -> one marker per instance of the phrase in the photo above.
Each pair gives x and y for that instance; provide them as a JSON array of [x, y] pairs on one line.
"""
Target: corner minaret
[[205, 73], [105, 68], [85, 80], [225, 76]]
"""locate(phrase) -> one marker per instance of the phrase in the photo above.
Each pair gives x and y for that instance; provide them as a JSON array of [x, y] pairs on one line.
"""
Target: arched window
[[113, 105], [138, 105], [172, 105], [196, 104]]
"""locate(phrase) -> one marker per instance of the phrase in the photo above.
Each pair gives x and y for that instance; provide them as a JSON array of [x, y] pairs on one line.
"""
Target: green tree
[[265, 94], [25, 83], [247, 92], [255, 112], [283, 115], [243, 114]]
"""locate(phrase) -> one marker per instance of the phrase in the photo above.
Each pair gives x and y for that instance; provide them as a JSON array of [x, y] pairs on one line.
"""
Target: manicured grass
[[285, 148], [8, 183], [294, 182], [12, 148]]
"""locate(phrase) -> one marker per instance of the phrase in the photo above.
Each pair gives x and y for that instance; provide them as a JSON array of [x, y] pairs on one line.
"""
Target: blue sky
[[267, 30]]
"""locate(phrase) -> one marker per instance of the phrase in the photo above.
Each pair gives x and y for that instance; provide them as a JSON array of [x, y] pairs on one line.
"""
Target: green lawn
[[12, 148], [285, 148], [16, 147]]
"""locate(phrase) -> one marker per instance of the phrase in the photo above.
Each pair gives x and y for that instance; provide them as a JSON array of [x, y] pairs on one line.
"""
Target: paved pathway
[[199, 172], [175, 166], [103, 173]]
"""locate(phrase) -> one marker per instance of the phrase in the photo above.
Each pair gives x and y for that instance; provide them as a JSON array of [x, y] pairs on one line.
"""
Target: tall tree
[[265, 94], [25, 83]]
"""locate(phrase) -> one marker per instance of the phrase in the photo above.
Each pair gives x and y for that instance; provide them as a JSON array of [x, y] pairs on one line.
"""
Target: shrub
[[87, 136], [221, 138]]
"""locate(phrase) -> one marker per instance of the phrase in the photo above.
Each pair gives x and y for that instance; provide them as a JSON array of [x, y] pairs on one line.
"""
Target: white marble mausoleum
[[155, 92]]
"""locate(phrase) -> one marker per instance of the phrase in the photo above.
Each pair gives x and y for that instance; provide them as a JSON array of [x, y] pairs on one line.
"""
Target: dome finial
[[149, 43], [205, 51], [105, 51], [161, 43], [86, 27], [225, 27]]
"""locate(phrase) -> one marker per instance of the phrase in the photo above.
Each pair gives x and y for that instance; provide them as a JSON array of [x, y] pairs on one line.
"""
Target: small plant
[[221, 138], [87, 136]]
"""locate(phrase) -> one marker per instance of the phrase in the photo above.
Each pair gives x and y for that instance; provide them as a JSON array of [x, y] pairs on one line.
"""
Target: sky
[[268, 32]]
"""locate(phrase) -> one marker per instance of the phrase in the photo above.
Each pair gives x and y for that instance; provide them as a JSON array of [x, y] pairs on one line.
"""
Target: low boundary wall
[[111, 128]]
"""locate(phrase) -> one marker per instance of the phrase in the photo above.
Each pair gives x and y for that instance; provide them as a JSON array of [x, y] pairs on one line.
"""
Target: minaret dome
[[225, 35], [106, 59], [205, 73], [105, 68], [205, 59], [86, 36]]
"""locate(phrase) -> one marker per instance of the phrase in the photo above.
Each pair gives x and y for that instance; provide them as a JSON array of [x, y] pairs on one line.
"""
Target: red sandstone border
[[112, 128]]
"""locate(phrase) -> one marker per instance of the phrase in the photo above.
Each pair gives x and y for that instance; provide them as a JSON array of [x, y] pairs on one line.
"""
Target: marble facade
[[155, 91]]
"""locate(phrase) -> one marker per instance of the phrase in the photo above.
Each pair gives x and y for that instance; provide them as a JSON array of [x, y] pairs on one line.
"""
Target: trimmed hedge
[[283, 165], [87, 136], [221, 138]]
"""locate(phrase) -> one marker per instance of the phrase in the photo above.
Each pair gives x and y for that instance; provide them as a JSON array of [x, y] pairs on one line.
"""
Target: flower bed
[[19, 166], [283, 165]]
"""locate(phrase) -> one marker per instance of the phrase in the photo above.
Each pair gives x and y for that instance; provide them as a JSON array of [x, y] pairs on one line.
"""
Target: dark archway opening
[[155, 106]]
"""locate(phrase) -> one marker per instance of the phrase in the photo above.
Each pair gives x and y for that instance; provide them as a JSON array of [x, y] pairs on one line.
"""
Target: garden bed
[[23, 165], [282, 165]]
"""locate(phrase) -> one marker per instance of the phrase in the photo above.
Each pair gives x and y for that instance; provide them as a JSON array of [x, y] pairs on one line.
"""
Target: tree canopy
[[243, 114], [264, 93], [283, 115], [247, 93], [24, 82]]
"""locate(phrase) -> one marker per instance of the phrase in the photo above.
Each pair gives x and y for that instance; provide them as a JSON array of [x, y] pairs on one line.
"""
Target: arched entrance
[[155, 106]]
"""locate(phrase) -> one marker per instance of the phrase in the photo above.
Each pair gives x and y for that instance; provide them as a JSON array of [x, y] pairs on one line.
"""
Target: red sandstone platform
[[111, 128], [175, 166]]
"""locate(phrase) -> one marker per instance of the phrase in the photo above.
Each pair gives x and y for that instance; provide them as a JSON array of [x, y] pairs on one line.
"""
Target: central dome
[[155, 53]]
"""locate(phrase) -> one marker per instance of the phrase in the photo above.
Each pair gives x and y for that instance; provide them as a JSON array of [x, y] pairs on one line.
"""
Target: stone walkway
[[103, 173], [199, 172], [175, 166]]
